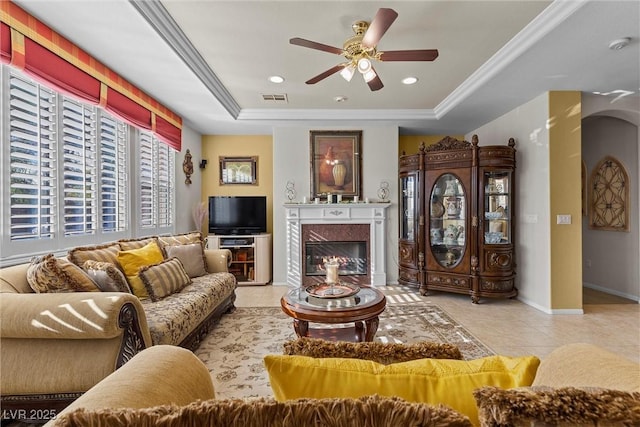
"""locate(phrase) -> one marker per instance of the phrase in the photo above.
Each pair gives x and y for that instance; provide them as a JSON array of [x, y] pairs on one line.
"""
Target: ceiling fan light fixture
[[348, 72], [364, 65], [369, 75]]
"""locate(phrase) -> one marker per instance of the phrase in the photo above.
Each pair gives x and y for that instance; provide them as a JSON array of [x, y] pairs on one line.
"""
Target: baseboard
[[610, 291], [548, 310]]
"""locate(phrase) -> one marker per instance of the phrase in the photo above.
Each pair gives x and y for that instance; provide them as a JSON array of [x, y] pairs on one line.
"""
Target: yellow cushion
[[433, 381], [133, 260]]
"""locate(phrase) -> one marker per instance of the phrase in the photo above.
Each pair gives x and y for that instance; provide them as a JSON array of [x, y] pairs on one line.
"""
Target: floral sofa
[[68, 322]]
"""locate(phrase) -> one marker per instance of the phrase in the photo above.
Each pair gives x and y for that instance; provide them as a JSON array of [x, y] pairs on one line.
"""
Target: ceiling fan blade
[[380, 24], [409, 55], [375, 83], [315, 45], [324, 75]]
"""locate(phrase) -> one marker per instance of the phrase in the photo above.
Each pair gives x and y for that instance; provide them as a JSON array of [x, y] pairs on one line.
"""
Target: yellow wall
[[410, 144], [214, 146], [564, 176]]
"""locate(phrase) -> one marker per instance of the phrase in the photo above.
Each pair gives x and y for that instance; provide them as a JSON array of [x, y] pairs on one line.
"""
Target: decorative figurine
[[187, 166]]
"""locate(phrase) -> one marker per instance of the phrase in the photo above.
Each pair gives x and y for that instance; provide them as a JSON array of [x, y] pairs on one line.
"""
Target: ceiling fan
[[360, 50]]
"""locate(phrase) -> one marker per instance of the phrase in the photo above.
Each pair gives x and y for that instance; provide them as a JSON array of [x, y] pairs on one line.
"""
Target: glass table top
[[366, 296]]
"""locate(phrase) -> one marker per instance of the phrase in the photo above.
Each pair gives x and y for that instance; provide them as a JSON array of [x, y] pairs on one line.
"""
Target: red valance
[[44, 64], [48, 56], [5, 43], [130, 111], [171, 134]]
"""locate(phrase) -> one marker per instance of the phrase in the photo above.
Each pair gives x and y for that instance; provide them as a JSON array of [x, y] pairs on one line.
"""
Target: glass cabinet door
[[447, 209], [409, 189], [497, 206]]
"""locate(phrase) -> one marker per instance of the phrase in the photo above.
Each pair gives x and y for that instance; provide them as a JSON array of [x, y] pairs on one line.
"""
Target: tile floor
[[508, 327]]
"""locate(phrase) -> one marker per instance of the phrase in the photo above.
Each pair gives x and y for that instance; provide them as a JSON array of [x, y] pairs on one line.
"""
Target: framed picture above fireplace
[[336, 163]]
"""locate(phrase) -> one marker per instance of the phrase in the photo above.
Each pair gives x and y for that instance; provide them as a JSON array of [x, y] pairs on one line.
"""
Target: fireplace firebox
[[349, 243], [351, 257]]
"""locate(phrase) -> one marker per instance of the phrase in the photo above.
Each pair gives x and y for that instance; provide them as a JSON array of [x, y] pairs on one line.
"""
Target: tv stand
[[250, 256]]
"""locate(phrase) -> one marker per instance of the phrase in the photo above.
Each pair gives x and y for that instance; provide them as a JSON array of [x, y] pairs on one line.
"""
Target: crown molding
[[552, 16], [160, 19], [167, 28], [335, 115]]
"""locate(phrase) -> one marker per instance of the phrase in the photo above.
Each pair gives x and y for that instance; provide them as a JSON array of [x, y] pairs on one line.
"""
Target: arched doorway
[[610, 258]]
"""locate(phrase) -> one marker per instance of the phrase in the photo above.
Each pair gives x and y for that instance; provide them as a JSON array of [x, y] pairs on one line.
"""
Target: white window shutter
[[32, 160]]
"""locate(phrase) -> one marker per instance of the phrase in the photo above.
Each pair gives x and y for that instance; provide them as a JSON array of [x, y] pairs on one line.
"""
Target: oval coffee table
[[362, 309]]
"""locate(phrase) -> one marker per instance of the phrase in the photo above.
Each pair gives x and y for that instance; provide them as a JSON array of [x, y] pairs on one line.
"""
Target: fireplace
[[351, 257], [349, 243], [353, 233]]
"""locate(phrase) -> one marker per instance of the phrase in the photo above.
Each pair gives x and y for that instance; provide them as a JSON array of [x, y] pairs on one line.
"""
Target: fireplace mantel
[[373, 214]]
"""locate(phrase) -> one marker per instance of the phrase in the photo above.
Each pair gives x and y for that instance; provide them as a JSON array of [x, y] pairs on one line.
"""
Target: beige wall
[[565, 140], [527, 124], [214, 146]]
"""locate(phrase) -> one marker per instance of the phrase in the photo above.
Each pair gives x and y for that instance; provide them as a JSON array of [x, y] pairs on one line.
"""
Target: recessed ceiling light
[[409, 80], [340, 98], [276, 79]]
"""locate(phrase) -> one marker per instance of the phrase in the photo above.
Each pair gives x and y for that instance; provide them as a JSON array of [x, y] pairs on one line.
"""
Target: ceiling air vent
[[275, 98]]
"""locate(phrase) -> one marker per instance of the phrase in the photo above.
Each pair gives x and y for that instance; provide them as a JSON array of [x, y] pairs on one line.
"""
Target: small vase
[[453, 207], [339, 174]]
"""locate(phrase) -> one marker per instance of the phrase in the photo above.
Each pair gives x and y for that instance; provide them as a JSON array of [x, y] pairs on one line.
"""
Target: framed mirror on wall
[[239, 170]]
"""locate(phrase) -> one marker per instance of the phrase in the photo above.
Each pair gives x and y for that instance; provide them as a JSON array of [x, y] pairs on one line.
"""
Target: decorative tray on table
[[335, 290]]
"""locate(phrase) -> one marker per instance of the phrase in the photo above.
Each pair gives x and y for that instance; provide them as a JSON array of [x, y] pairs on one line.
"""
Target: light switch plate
[[563, 219]]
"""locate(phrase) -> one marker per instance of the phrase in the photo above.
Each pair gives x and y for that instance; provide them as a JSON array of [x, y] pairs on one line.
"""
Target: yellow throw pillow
[[434, 381], [133, 260]]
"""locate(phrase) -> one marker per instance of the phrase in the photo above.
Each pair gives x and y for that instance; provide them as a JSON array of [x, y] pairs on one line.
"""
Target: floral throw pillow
[[51, 274]]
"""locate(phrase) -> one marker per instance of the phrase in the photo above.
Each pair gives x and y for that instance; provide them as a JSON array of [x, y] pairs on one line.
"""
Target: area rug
[[234, 349]]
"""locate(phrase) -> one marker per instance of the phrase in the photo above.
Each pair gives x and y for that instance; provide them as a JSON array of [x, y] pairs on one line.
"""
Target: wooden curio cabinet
[[411, 219], [456, 228]]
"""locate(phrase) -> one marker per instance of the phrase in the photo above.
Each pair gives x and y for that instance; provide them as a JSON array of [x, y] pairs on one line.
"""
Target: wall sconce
[[203, 163]]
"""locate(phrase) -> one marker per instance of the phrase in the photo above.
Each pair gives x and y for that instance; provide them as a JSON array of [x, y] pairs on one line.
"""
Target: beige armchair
[[57, 346]]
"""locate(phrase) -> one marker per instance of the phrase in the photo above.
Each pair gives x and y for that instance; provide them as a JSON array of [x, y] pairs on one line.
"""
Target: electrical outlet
[[587, 263], [563, 219]]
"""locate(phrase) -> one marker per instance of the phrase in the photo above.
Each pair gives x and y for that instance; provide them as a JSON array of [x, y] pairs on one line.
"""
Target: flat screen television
[[237, 214]]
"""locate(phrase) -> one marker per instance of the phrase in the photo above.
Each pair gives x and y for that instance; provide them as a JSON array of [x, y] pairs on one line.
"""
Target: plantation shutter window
[[147, 199], [156, 182], [165, 186], [113, 177], [32, 160], [63, 151], [79, 145]]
